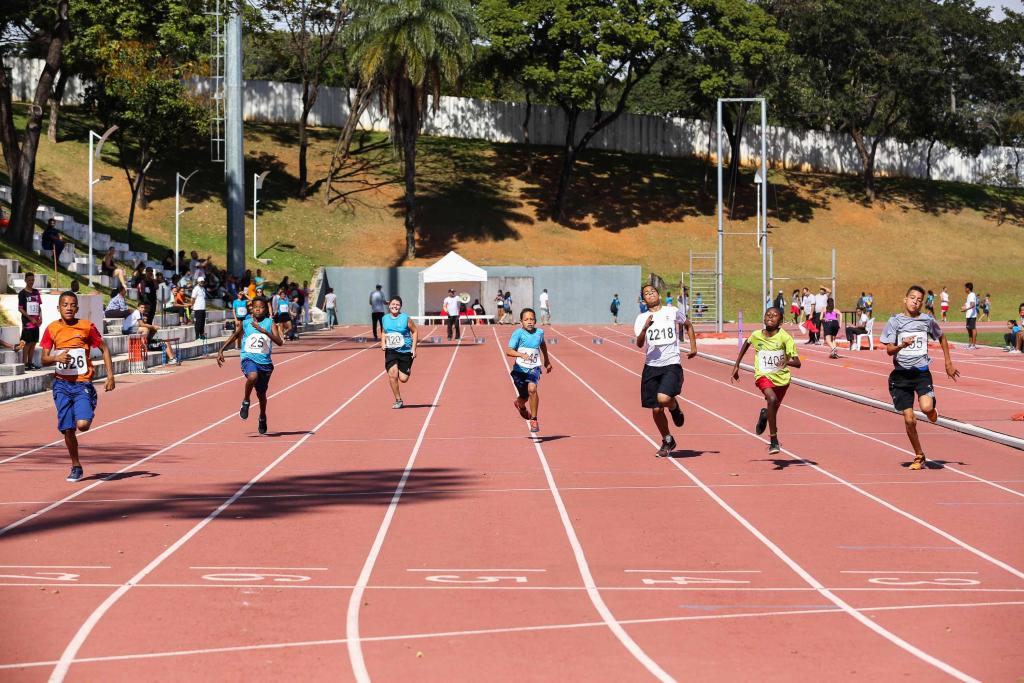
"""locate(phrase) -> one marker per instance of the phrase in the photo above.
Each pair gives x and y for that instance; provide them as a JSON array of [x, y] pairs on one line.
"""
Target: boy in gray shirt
[[906, 340]]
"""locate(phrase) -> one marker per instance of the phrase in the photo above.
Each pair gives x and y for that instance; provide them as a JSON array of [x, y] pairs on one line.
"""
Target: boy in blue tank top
[[256, 333], [398, 339], [527, 346]]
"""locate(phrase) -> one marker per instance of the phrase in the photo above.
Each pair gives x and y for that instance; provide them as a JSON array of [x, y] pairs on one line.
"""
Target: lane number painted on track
[[44, 576], [940, 581], [255, 577], [463, 578], [690, 580]]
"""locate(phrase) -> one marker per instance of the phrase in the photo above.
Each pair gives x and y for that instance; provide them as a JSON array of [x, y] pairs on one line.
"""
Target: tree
[[313, 29], [48, 26], [144, 96], [582, 54], [403, 51]]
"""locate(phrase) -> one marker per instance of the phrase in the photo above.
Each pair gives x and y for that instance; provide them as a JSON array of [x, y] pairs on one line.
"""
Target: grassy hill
[[483, 200]]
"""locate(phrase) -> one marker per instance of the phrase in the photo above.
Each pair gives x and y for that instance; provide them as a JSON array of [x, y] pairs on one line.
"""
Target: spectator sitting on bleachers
[[52, 240], [177, 303], [136, 323], [147, 293], [1014, 338], [168, 262], [118, 307], [110, 268]]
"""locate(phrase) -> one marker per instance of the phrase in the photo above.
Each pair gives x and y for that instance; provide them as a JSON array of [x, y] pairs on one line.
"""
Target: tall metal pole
[[771, 270], [763, 203], [88, 264], [234, 161], [255, 192], [180, 181], [721, 242], [833, 273]]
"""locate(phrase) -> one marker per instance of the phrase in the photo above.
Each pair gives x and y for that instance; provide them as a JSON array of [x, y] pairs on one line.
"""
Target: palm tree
[[403, 50]]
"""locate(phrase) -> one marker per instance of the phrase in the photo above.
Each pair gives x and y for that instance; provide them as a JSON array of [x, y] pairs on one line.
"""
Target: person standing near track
[[240, 308], [929, 303], [545, 309], [970, 309], [377, 309], [614, 308], [906, 340], [399, 343], [662, 379], [944, 304], [450, 306], [67, 344], [198, 305], [820, 302], [774, 354], [830, 327], [794, 307], [257, 333], [527, 345], [331, 307], [30, 305]]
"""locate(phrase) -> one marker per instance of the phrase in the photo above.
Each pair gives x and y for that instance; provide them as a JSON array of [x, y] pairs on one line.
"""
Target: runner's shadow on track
[[689, 453], [417, 405], [783, 463], [117, 476], [298, 432], [545, 439], [934, 464]]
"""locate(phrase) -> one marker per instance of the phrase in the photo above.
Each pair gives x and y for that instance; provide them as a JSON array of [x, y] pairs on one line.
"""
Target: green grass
[[486, 201], [984, 337]]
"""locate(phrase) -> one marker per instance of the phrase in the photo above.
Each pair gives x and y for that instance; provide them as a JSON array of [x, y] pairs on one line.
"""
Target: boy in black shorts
[[906, 340]]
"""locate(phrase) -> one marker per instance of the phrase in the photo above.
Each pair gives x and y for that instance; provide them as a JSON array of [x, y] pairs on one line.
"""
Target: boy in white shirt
[[970, 310]]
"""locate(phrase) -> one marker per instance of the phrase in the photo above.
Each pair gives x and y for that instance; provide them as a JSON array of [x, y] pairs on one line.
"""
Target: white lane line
[[894, 571], [476, 570], [305, 569], [81, 491], [54, 566], [355, 648], [903, 513], [60, 442], [692, 571], [511, 629], [581, 559], [71, 651], [775, 549], [843, 427]]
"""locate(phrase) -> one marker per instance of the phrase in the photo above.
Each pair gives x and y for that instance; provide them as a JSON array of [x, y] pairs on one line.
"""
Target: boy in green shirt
[[776, 354]]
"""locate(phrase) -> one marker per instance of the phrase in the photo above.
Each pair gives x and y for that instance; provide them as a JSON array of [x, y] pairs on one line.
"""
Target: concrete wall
[[579, 294], [499, 121]]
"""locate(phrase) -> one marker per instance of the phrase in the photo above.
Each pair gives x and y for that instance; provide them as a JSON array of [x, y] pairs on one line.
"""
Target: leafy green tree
[[144, 96], [47, 26], [582, 54], [404, 50]]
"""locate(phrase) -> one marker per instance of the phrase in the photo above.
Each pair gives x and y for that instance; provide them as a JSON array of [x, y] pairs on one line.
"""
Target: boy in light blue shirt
[[527, 346], [256, 332]]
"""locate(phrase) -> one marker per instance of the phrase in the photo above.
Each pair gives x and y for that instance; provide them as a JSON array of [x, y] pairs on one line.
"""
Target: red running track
[[442, 542]]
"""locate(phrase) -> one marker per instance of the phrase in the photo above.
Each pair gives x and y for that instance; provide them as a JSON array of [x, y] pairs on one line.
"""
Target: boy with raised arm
[[256, 332], [906, 340]]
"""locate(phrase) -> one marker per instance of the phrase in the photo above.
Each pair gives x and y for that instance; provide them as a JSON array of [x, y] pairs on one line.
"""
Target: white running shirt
[[451, 305], [330, 300], [662, 345], [544, 300], [972, 306], [198, 298]]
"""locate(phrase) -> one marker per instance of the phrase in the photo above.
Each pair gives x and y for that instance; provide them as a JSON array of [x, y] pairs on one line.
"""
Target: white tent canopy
[[451, 272]]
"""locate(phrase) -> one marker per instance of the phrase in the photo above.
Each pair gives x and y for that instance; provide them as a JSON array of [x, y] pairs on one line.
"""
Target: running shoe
[[762, 422], [76, 473], [397, 404], [834, 354], [933, 416], [521, 408], [773, 446], [262, 427], [243, 412], [1014, 351], [668, 444], [534, 427], [677, 416], [918, 463]]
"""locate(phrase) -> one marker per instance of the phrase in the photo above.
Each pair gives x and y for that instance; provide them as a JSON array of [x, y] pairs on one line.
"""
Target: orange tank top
[[78, 340]]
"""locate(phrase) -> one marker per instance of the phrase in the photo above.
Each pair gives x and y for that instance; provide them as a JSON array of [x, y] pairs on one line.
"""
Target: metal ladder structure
[[703, 279], [217, 50]]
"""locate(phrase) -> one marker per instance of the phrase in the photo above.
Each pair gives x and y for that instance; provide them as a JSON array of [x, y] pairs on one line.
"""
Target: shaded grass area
[[492, 202]]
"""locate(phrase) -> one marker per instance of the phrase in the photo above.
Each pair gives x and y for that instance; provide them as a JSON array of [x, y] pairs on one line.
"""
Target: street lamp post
[[179, 189], [95, 154], [257, 185]]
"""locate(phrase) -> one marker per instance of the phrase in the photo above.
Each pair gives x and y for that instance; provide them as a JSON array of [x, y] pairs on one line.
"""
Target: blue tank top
[[255, 346], [397, 329], [241, 307]]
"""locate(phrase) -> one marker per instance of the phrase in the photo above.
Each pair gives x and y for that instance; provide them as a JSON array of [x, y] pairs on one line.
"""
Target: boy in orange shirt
[[66, 345]]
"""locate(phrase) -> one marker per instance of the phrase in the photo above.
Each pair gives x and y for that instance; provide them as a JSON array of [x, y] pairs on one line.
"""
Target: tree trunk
[[526, 134], [409, 136], [568, 160], [341, 150], [928, 166], [137, 190], [55, 102], [867, 158], [23, 196], [734, 132], [309, 93]]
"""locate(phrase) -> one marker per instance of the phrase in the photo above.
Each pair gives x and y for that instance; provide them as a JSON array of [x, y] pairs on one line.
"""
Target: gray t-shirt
[[377, 302], [901, 326]]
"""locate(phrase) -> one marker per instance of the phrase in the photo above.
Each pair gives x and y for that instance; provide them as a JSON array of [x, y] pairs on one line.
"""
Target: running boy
[[67, 344], [906, 340], [775, 354], [662, 379], [527, 345], [256, 332], [398, 339], [240, 307]]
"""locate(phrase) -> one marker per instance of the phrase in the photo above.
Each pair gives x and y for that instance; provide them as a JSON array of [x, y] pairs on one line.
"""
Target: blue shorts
[[75, 401], [263, 373], [523, 378]]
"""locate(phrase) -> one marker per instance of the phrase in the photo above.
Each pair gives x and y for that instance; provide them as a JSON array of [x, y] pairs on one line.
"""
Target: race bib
[[241, 310], [32, 308], [394, 340], [282, 307], [771, 361], [76, 364], [532, 359], [257, 343], [661, 334], [918, 347]]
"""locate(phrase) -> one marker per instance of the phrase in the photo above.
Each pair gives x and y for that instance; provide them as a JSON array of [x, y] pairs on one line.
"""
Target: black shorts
[[972, 323], [666, 380], [904, 384], [402, 360], [30, 335], [831, 328], [282, 318]]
